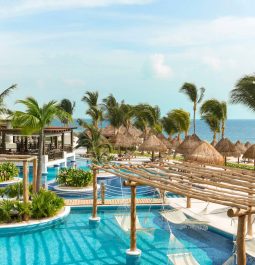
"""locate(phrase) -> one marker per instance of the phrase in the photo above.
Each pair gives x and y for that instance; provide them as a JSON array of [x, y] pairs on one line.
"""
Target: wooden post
[[249, 225], [94, 210], [240, 241], [25, 182], [102, 193], [63, 141], [71, 135], [133, 219], [188, 205], [34, 174]]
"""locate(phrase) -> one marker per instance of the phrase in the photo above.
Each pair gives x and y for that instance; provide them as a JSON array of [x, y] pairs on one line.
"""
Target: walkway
[[76, 202]]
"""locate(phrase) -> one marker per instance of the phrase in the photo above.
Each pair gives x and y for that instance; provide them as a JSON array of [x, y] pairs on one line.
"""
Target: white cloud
[[160, 69], [20, 7]]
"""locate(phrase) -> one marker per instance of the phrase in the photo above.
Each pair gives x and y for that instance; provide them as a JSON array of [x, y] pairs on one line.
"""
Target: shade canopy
[[165, 141], [240, 147], [248, 144], [188, 145], [250, 152], [125, 140], [152, 144], [110, 131], [174, 143], [227, 148], [205, 153]]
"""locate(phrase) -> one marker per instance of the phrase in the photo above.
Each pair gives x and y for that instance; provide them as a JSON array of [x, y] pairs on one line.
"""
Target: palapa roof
[[227, 148], [206, 154], [124, 140], [188, 145], [250, 152], [152, 144], [109, 131], [241, 147], [248, 144], [174, 143], [165, 141]]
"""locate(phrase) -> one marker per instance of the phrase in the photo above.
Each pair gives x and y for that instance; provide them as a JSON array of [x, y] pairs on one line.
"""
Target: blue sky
[[139, 50]]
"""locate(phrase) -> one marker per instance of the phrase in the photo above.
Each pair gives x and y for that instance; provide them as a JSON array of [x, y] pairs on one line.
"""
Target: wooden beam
[[240, 241]]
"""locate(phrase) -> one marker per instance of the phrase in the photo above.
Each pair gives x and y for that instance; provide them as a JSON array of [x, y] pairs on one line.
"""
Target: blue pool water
[[74, 242]]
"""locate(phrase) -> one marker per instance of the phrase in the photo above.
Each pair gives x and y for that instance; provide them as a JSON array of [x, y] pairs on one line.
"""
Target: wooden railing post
[[240, 241], [34, 174]]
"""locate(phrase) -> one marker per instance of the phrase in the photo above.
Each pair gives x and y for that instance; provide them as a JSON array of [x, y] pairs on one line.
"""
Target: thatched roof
[[248, 144], [206, 153], [165, 141], [241, 147], [188, 145], [125, 140], [109, 131], [152, 144], [250, 152], [227, 148], [174, 143]]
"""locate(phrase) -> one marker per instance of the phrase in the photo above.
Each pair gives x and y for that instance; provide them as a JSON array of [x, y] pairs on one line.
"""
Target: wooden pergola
[[25, 159], [234, 188]]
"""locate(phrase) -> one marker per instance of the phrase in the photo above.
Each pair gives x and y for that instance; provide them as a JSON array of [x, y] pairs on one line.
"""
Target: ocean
[[243, 130]]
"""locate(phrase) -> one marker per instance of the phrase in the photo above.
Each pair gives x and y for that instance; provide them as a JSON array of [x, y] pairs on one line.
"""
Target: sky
[[138, 50]]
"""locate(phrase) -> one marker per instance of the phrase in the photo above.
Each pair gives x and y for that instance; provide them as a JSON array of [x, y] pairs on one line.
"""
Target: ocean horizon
[[236, 129]]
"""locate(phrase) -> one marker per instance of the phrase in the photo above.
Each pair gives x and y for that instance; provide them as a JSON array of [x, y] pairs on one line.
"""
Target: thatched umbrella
[[125, 140], [174, 143], [241, 148], [250, 153], [163, 139], [227, 148], [206, 153], [152, 144], [188, 145], [248, 144], [108, 131]]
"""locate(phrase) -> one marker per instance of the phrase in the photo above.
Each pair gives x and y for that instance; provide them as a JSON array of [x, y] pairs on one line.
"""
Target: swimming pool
[[74, 242]]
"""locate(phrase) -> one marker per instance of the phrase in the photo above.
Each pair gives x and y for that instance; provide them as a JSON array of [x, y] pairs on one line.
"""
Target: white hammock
[[124, 222], [230, 261], [182, 259], [178, 217]]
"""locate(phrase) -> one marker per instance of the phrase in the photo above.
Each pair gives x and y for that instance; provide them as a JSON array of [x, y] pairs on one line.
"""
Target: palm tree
[[244, 92], [181, 121], [192, 92], [68, 107], [213, 122], [113, 112], [218, 109], [3, 95], [95, 109], [34, 120], [147, 117], [169, 126], [97, 145]]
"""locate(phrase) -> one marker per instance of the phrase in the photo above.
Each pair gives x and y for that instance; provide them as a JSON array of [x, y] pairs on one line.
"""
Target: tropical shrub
[[13, 211], [241, 166], [16, 190], [45, 204], [8, 171], [73, 177]]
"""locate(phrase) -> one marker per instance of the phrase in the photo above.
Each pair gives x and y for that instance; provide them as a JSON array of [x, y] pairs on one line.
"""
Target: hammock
[[178, 217], [123, 221], [230, 261], [185, 258]]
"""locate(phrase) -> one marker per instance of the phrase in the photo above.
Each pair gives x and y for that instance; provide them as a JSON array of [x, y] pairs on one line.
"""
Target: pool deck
[[139, 201]]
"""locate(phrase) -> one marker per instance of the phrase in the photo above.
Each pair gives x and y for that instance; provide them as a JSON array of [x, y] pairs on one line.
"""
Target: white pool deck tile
[[216, 215]]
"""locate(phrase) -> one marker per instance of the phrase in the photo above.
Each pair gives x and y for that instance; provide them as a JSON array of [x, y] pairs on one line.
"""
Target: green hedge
[[8, 171], [73, 177], [241, 166]]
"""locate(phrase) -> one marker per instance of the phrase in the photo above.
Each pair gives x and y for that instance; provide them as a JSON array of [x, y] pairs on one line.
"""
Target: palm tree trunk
[[222, 129], [194, 117], [214, 136], [40, 157]]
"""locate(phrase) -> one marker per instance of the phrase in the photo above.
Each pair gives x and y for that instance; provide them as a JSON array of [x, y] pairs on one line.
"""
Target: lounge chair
[[185, 258]]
